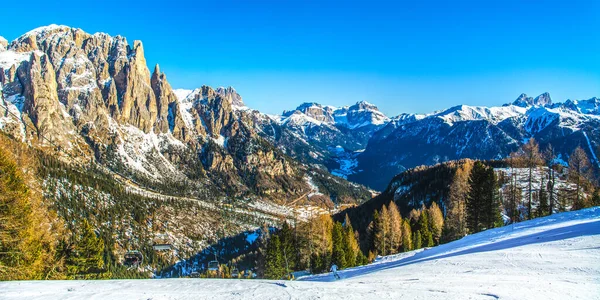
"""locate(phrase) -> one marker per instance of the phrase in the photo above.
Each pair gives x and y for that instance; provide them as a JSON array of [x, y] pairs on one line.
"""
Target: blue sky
[[404, 56]]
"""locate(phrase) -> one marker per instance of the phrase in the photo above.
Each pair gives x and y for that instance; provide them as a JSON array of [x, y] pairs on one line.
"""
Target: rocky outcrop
[[541, 100], [93, 94], [230, 95], [164, 99], [3, 43], [41, 104]]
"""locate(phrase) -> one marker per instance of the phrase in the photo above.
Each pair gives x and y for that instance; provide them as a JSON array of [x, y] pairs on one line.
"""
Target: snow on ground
[[555, 257], [347, 160]]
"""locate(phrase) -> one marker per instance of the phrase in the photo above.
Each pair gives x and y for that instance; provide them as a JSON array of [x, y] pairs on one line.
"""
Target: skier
[[334, 270]]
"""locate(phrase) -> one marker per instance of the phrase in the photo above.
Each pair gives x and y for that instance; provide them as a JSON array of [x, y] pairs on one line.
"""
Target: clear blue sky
[[404, 56]]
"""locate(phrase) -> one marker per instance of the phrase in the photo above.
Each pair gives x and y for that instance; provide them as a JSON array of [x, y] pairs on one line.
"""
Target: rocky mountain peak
[[523, 100], [364, 105], [541, 100], [231, 95], [3, 43]]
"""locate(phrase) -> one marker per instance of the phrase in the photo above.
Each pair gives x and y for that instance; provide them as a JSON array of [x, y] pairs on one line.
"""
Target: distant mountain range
[[93, 95]]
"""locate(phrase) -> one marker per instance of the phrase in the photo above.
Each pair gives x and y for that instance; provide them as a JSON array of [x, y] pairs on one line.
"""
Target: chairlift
[[235, 272], [213, 265], [162, 247], [133, 258]]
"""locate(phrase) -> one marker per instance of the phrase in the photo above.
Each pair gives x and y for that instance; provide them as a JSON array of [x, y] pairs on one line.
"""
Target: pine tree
[[477, 198], [351, 248], [263, 242], [286, 238], [338, 256], [274, 268], [361, 259], [86, 257], [417, 240], [596, 197], [425, 229]]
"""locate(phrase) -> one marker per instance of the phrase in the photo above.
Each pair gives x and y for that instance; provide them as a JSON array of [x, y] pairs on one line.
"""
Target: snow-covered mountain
[[478, 132], [93, 97], [323, 134]]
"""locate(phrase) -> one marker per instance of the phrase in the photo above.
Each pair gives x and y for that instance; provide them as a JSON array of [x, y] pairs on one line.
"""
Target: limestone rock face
[[93, 95], [165, 98], [231, 95], [41, 104]]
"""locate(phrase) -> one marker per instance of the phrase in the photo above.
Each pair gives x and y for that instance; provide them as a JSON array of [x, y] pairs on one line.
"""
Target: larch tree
[[531, 157], [455, 225], [27, 244], [549, 157], [407, 244], [436, 221], [395, 228], [382, 229], [579, 174]]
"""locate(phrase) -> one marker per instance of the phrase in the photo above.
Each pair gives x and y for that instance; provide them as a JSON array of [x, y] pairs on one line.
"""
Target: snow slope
[[555, 257]]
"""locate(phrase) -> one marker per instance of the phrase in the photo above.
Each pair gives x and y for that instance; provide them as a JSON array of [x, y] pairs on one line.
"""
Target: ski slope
[[556, 257]]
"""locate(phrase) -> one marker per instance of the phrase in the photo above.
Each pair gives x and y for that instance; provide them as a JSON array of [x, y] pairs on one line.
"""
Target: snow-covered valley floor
[[556, 257]]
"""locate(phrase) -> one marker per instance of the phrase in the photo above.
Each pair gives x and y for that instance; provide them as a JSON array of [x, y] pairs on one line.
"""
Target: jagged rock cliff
[[92, 96]]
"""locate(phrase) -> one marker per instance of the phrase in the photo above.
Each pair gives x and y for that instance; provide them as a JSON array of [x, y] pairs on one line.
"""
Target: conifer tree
[[549, 158], [531, 157], [27, 246], [263, 242], [274, 261], [85, 258], [351, 248], [476, 197], [382, 232], [407, 242], [372, 230], [543, 206], [579, 173], [436, 221], [338, 256], [395, 228], [455, 224], [286, 238], [417, 240], [425, 229]]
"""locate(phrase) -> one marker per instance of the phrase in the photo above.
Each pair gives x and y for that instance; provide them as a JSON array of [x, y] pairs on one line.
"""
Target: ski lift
[[235, 273], [213, 265], [195, 273], [133, 258], [162, 247]]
